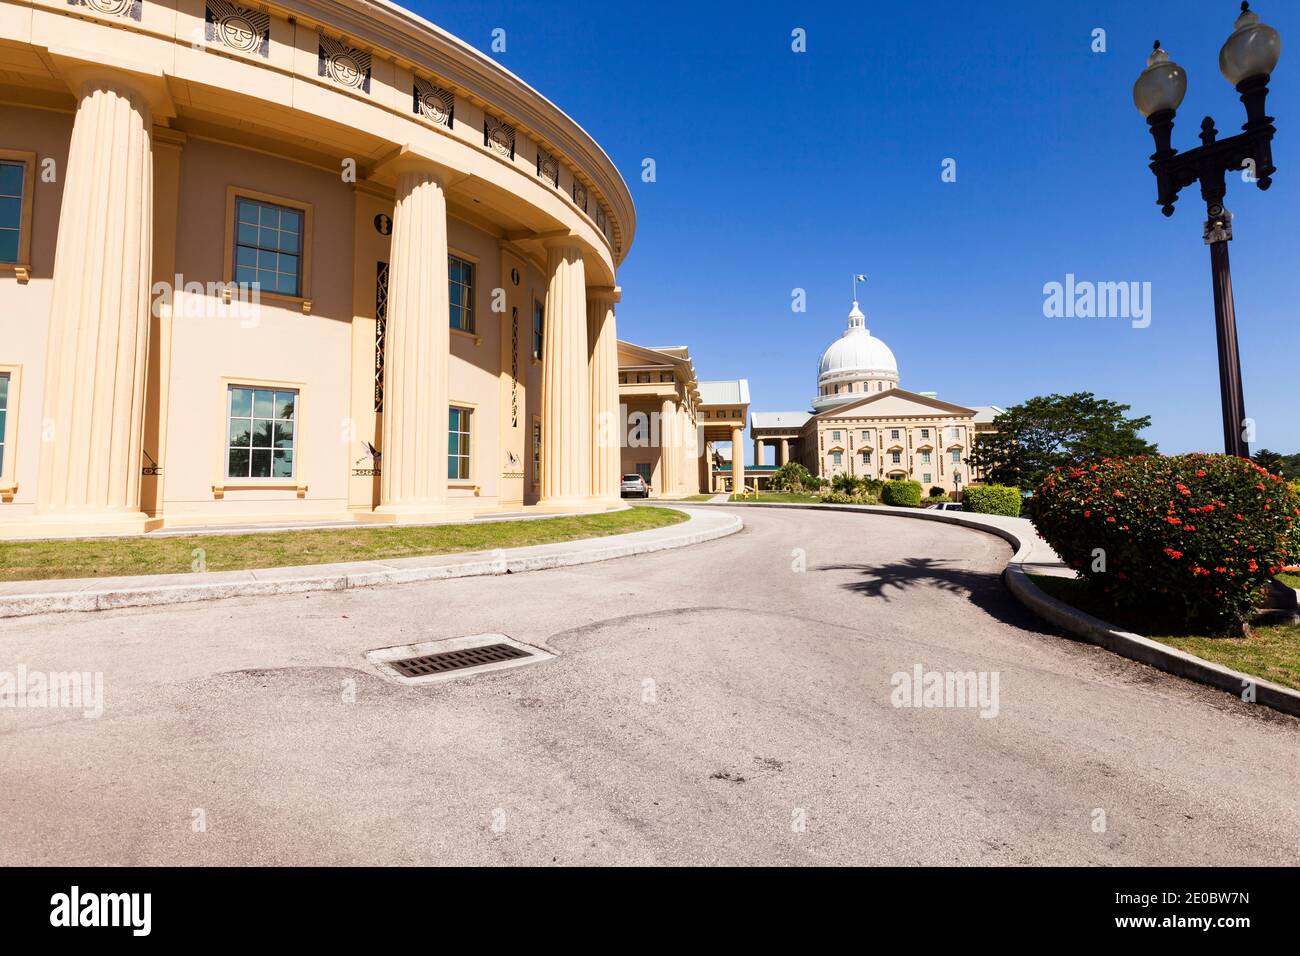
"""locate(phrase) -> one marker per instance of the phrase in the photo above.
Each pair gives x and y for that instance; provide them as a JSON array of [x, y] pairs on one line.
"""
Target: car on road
[[946, 506], [634, 486]]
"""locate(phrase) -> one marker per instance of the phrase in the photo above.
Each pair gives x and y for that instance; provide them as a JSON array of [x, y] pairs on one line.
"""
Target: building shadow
[[983, 589]]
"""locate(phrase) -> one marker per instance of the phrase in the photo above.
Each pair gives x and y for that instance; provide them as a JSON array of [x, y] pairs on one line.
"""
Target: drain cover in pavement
[[457, 660], [440, 660]]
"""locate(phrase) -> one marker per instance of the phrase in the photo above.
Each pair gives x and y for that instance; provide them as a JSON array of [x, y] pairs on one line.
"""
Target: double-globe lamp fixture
[[1246, 60]]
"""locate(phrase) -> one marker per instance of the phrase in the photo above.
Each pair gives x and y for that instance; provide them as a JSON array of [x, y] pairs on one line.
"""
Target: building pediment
[[897, 403]]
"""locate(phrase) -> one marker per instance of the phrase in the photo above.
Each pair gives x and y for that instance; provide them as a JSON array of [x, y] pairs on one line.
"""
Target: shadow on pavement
[[986, 591]]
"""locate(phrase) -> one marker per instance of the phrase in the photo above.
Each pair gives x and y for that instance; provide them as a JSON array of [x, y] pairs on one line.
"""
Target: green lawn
[[108, 557], [1271, 652], [1290, 580], [697, 498]]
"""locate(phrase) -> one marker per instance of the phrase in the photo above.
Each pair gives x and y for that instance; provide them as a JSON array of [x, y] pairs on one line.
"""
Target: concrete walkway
[[19, 598]]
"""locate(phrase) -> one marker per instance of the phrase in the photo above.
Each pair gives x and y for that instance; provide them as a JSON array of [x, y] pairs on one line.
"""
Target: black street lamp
[[1246, 60]]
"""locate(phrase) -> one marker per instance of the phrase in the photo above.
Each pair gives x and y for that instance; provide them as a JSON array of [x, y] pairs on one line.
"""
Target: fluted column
[[99, 315], [758, 451], [689, 450], [606, 441], [782, 451], [417, 341], [668, 446], [737, 460], [566, 396]]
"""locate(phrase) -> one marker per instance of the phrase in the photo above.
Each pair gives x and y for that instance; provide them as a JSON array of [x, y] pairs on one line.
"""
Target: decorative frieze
[[113, 8], [381, 326], [238, 28], [435, 104], [498, 136], [548, 166], [343, 64]]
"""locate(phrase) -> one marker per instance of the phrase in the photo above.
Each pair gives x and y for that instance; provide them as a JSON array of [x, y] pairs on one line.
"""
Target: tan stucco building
[[863, 424], [672, 421], [290, 262]]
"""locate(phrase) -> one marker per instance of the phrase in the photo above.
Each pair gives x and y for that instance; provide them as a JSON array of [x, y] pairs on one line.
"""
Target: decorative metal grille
[[381, 324], [434, 103], [343, 64], [113, 8], [548, 166], [238, 28], [498, 135]]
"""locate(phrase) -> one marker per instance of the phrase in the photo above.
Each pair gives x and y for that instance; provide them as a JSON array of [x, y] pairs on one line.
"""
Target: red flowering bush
[[1189, 540]]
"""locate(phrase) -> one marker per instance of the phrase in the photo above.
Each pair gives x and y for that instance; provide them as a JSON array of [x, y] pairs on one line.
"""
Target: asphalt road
[[709, 705]]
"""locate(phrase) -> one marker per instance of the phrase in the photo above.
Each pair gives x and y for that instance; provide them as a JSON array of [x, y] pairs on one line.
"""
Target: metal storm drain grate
[[458, 660], [431, 661]]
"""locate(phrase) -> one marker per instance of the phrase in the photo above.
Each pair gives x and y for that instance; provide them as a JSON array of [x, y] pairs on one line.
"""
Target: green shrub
[[991, 500], [937, 492], [792, 476], [1190, 540], [904, 494], [1293, 545]]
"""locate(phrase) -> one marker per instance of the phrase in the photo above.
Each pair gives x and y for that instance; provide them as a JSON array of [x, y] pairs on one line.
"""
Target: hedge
[[1189, 541], [991, 500], [906, 494]]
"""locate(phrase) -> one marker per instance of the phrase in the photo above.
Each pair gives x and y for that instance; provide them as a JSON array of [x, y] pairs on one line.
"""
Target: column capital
[[83, 70], [612, 292]]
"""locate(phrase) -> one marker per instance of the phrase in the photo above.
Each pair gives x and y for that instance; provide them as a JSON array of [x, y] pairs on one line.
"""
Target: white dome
[[857, 350], [852, 363]]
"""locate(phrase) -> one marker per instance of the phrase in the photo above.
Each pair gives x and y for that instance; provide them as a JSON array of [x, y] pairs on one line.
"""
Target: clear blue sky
[[778, 170]]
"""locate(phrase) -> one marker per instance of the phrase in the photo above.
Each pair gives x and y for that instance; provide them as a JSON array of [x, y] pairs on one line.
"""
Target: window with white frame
[[835, 436], [926, 477], [460, 292], [925, 458], [893, 433], [458, 443], [268, 246], [956, 454], [866, 458], [896, 457], [836, 457], [925, 433], [260, 432], [866, 435]]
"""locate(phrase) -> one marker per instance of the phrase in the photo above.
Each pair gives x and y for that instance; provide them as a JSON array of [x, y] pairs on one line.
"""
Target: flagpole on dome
[[856, 279]]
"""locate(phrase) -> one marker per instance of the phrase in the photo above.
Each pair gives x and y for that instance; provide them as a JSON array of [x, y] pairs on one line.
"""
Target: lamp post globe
[[1161, 86], [1252, 49]]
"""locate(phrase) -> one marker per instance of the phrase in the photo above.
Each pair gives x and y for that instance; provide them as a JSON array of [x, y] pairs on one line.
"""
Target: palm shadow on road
[[986, 591]]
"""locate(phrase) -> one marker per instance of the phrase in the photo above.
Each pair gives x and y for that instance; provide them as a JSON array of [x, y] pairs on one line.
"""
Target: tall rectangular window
[[956, 454], [539, 330], [12, 181], [537, 451], [4, 415], [897, 457], [458, 425], [460, 289], [268, 246], [925, 458], [260, 432], [836, 457]]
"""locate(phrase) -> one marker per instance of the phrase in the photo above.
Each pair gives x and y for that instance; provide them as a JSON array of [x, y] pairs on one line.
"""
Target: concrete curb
[[1091, 629], [81, 594]]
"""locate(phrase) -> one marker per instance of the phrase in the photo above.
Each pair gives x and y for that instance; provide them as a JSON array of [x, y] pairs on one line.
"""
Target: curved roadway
[[708, 705]]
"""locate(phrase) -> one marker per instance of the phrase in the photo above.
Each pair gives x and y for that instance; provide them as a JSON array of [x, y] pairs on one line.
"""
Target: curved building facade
[[297, 261]]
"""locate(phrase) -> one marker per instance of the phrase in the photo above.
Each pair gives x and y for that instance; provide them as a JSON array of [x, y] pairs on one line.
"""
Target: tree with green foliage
[[794, 477], [1050, 431], [1288, 466]]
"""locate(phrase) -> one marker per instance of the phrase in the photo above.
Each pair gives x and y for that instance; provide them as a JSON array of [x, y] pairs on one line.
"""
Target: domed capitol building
[[863, 424]]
